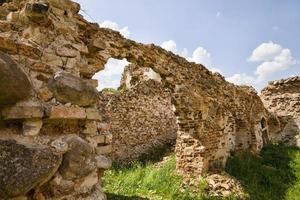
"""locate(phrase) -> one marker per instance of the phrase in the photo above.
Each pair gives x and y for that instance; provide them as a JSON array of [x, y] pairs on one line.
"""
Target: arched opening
[[110, 77]]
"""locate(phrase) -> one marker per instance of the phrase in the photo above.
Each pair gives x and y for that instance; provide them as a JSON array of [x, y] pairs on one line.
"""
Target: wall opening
[[110, 77]]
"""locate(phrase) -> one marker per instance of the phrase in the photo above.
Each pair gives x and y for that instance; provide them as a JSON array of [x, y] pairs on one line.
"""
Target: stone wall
[[283, 99], [54, 120], [51, 142], [140, 116]]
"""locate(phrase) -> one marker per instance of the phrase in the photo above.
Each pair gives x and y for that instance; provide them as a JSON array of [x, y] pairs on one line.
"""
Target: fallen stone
[[69, 88], [24, 167], [14, 84]]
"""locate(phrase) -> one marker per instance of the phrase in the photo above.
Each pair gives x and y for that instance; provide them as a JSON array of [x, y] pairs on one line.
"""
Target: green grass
[[272, 175], [150, 182]]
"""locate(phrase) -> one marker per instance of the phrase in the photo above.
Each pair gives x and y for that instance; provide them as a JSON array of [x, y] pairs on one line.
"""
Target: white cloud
[[201, 56], [242, 79], [114, 26], [111, 76], [265, 52], [169, 45], [274, 58], [184, 53], [213, 69], [218, 14]]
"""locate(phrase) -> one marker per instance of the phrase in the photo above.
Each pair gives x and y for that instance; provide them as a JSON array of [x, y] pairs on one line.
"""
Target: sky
[[248, 41]]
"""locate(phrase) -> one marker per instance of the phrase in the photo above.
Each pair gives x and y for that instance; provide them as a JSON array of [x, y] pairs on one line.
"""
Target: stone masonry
[[140, 115], [54, 122], [283, 99]]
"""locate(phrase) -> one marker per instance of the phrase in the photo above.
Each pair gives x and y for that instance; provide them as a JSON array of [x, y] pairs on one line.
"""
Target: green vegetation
[[272, 175], [109, 91], [148, 181]]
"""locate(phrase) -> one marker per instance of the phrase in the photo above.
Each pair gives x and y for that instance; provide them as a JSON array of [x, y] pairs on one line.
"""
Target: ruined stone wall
[[140, 116], [283, 99], [51, 142], [59, 52]]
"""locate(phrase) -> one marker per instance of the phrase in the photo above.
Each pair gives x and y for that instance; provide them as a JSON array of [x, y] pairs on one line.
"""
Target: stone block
[[90, 128], [24, 167], [96, 140], [32, 127], [69, 88], [62, 112], [93, 114], [23, 112], [104, 150], [14, 84], [103, 162]]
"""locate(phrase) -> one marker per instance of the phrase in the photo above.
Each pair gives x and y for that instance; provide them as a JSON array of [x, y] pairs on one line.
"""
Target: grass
[[272, 175], [147, 181]]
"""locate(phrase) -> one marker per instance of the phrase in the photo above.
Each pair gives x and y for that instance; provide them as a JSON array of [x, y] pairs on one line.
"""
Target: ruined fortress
[[58, 133]]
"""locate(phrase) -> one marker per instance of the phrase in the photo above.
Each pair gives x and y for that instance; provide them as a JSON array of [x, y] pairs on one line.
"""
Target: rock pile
[[224, 186]]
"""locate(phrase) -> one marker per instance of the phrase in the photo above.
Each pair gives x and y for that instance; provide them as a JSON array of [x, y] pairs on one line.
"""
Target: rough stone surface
[[69, 88], [24, 167], [14, 84], [140, 116], [59, 51], [282, 98], [78, 161]]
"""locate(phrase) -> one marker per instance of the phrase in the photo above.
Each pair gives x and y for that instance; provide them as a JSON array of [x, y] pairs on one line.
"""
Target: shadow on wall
[[270, 175]]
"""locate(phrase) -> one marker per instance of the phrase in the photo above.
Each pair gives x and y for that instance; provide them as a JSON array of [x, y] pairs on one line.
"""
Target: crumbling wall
[[59, 52], [52, 145], [282, 98], [140, 115]]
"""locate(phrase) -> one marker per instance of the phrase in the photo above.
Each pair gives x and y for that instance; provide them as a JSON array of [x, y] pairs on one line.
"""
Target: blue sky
[[249, 42]]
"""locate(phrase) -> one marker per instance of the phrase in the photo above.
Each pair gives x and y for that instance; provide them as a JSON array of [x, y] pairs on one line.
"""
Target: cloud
[[242, 79], [110, 77], [201, 56], [114, 26], [218, 15], [169, 45], [274, 58], [265, 52]]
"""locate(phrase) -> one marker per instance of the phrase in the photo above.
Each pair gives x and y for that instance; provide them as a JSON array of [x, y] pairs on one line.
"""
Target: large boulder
[[14, 84], [24, 167], [69, 88]]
